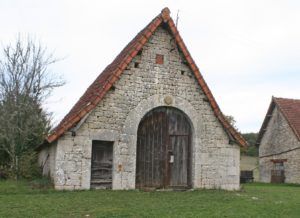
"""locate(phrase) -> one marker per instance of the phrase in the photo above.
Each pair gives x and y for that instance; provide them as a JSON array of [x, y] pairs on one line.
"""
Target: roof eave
[[164, 17]]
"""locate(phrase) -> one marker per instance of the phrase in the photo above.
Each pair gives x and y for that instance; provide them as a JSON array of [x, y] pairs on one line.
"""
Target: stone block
[[116, 118]]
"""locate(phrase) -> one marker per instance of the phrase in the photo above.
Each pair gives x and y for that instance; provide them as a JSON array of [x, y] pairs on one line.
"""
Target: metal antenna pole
[[177, 18]]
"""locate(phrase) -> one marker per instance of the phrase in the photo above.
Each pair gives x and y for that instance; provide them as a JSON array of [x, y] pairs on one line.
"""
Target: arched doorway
[[164, 149]]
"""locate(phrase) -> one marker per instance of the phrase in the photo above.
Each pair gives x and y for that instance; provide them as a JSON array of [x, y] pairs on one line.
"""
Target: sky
[[247, 51]]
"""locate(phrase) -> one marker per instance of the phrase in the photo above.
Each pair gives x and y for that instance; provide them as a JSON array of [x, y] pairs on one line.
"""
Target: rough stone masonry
[[279, 138], [144, 85]]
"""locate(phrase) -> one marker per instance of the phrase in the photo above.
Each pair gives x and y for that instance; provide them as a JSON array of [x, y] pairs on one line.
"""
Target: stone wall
[[142, 87], [279, 138]]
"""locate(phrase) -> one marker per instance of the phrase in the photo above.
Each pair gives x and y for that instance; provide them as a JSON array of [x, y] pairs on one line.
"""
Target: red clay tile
[[159, 59], [99, 87], [290, 108]]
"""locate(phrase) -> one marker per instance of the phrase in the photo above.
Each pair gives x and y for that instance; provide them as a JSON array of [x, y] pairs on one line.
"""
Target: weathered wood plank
[[101, 169], [163, 132]]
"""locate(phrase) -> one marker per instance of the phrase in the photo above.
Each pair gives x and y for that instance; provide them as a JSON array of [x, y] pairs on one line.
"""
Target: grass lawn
[[255, 200]]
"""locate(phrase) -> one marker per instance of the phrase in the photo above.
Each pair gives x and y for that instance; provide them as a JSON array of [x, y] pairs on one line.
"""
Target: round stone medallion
[[168, 100]]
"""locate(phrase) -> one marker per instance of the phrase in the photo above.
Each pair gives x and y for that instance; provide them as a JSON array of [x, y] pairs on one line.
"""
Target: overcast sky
[[247, 51]]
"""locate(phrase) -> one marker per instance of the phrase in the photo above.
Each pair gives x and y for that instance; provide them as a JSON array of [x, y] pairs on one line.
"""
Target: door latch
[[171, 160]]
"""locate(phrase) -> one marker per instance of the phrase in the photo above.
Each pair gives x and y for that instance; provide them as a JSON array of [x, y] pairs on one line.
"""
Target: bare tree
[[25, 82]]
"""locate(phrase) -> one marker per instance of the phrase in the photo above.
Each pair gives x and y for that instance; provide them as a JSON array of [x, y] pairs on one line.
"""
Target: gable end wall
[[215, 162], [278, 138]]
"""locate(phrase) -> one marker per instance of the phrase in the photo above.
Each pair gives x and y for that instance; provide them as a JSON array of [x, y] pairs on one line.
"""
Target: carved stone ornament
[[168, 100]]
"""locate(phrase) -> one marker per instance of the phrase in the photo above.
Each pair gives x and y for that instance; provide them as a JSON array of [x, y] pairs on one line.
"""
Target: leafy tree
[[231, 120], [251, 150], [25, 82]]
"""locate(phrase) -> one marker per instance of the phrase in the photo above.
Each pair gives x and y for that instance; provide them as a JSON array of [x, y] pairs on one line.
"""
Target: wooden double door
[[164, 150]]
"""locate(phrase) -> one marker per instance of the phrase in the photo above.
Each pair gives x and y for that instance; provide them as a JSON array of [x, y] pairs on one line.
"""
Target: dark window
[[278, 166]]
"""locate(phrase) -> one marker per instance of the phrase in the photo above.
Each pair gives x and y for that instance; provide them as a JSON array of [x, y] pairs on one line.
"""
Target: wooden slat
[[101, 170], [162, 132]]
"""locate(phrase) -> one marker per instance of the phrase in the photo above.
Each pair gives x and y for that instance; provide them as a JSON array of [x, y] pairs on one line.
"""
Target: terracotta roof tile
[[94, 94], [290, 108]]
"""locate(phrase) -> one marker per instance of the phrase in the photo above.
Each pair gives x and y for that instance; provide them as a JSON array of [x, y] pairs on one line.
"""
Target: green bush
[[3, 173], [28, 166], [251, 150]]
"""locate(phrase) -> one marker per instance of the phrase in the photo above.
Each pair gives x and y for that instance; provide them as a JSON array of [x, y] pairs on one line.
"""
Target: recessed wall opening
[[185, 62], [113, 88], [101, 166], [277, 173], [140, 52], [164, 150], [136, 65], [159, 59]]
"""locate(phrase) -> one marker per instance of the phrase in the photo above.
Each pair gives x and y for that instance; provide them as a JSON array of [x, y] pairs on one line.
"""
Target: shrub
[[28, 166], [3, 173]]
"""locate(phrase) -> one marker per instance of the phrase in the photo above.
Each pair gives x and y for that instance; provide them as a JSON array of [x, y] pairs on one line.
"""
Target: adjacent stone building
[[279, 142], [148, 121]]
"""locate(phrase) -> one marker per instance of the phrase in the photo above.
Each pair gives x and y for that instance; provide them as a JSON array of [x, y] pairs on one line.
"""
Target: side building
[[279, 142]]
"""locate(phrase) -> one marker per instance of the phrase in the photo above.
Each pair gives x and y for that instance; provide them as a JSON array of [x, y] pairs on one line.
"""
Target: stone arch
[[134, 117], [128, 134], [164, 149]]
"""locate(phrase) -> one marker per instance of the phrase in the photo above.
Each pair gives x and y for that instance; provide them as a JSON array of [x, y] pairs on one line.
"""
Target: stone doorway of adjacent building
[[164, 150], [277, 173]]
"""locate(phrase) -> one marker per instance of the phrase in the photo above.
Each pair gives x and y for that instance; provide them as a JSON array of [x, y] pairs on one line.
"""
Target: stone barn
[[149, 120], [279, 142]]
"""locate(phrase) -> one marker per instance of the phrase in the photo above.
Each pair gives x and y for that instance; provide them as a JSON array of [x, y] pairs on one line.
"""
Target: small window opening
[[140, 52], [185, 62], [165, 26], [278, 166], [136, 65], [113, 88], [159, 59], [182, 72], [205, 99]]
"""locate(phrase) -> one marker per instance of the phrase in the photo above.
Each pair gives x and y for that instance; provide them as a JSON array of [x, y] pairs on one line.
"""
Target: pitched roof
[[95, 93], [290, 108]]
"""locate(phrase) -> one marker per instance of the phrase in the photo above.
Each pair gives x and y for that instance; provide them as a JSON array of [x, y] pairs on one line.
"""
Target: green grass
[[255, 200]]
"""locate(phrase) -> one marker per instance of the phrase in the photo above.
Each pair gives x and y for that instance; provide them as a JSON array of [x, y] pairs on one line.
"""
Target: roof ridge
[[287, 110], [286, 115], [293, 99], [97, 90]]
